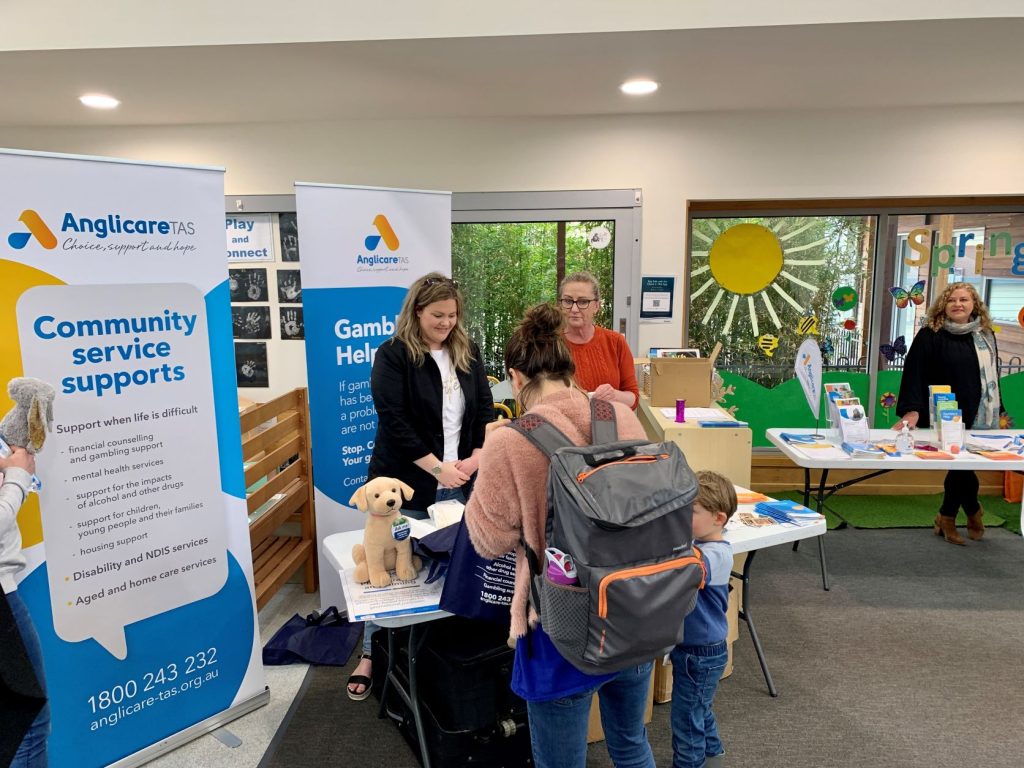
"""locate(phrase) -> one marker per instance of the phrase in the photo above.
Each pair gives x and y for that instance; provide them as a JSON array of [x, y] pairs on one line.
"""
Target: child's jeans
[[696, 670]]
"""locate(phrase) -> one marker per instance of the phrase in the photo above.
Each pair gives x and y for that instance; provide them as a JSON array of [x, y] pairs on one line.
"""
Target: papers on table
[[705, 416], [820, 451], [402, 598]]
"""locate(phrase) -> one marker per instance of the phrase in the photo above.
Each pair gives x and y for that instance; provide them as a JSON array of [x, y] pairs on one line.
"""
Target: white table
[[744, 539], [747, 539], [876, 467], [337, 548]]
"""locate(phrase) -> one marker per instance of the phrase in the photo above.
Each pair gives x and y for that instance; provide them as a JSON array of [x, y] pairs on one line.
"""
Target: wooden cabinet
[[279, 492], [726, 450]]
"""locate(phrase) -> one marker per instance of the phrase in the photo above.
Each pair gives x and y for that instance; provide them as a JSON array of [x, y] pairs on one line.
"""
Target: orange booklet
[[1001, 456], [937, 455], [750, 497]]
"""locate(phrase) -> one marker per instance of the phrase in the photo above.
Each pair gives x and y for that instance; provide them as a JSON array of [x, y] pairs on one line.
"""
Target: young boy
[[698, 662]]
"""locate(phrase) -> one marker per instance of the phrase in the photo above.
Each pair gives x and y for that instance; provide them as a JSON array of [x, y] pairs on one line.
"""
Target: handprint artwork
[[292, 327], [289, 286], [251, 322], [247, 285], [251, 364]]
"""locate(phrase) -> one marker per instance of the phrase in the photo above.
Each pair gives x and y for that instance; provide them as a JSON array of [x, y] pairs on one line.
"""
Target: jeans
[[696, 670], [443, 494], [32, 752], [961, 486], [558, 728]]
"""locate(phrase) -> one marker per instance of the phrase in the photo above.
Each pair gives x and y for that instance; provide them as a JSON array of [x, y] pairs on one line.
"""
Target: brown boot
[[947, 527], [975, 527]]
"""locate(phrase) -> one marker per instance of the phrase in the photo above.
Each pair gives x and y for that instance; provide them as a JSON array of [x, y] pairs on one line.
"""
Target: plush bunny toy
[[32, 416]]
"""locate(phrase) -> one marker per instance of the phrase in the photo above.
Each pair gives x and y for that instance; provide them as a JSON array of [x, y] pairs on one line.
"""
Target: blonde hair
[[936, 315], [427, 290], [716, 493], [581, 277]]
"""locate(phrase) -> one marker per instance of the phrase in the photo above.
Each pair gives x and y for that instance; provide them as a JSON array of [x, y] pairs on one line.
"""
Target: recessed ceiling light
[[638, 87], [99, 101]]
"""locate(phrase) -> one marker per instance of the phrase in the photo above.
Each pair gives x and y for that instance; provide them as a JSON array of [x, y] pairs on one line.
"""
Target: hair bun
[[542, 323]]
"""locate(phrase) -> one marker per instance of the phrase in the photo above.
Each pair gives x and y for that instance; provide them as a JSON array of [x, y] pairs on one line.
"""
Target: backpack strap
[[603, 428], [542, 433]]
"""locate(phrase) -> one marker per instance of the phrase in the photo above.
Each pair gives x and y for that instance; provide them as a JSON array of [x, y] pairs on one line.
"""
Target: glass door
[[511, 250]]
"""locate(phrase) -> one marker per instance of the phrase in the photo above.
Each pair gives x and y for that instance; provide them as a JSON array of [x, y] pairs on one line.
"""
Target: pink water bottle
[[561, 568]]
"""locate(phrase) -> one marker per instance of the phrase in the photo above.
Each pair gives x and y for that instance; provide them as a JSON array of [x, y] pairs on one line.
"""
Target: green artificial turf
[[905, 511]]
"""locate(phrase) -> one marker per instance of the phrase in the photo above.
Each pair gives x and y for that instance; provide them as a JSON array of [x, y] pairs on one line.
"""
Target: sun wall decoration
[[751, 264]]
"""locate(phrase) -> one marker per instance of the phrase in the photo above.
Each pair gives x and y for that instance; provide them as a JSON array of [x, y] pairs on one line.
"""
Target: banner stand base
[[193, 732]]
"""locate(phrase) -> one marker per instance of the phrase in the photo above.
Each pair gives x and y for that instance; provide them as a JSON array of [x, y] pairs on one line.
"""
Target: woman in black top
[[433, 403], [956, 347]]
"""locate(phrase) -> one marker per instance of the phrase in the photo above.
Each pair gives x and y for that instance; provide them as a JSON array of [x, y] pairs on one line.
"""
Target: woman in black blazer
[[433, 404]]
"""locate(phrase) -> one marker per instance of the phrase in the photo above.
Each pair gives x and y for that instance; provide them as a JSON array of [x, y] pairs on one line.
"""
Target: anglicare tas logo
[[36, 227], [387, 234]]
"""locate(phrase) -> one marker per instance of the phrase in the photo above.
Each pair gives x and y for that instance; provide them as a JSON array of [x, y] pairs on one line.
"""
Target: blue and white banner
[[113, 288], [361, 250]]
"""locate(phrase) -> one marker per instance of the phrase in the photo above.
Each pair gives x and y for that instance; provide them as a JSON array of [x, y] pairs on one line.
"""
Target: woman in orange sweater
[[604, 364]]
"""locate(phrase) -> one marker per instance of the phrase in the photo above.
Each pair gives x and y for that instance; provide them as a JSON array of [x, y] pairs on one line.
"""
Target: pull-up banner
[[361, 250], [113, 288]]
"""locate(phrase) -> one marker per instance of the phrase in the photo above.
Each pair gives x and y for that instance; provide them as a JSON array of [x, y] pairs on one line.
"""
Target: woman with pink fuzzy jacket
[[509, 504]]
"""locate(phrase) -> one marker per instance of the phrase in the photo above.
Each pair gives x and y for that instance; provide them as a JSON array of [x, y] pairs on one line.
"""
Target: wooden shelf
[[275, 450]]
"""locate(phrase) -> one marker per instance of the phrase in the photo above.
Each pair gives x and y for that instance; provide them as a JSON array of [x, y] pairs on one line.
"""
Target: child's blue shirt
[[706, 624]]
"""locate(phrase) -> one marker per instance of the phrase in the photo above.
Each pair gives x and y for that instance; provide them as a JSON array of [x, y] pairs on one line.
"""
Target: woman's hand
[[468, 466], [606, 392], [21, 459], [911, 417], [451, 476]]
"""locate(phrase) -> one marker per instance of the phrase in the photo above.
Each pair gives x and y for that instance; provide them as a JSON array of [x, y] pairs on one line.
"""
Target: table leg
[[414, 701], [745, 616], [807, 499], [824, 566]]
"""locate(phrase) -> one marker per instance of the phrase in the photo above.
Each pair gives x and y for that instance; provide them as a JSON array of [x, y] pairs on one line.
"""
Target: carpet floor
[[911, 660]]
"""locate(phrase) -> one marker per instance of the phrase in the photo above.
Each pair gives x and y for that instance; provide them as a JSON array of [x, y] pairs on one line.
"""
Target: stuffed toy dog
[[32, 416], [386, 542]]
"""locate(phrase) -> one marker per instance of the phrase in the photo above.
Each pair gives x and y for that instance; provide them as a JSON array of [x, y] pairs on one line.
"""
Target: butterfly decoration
[[890, 351], [768, 343], [903, 297], [807, 325]]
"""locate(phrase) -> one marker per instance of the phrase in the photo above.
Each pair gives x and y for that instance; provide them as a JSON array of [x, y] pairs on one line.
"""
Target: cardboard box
[[674, 378], [594, 730]]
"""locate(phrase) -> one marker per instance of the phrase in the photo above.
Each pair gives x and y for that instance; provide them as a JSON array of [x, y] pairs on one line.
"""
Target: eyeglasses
[[581, 303], [440, 281]]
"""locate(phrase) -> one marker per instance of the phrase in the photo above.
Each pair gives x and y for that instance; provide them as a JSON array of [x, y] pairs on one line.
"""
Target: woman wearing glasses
[[604, 364], [433, 403]]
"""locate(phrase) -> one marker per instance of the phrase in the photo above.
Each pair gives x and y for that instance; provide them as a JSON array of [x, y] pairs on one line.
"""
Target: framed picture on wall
[[248, 285], [292, 327], [251, 364], [251, 322], [289, 226], [289, 286]]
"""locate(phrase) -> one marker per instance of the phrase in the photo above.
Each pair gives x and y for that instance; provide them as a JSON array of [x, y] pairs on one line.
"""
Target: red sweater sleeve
[[605, 359]]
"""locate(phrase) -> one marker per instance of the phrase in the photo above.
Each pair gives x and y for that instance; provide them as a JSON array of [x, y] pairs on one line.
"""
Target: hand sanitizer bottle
[[904, 442]]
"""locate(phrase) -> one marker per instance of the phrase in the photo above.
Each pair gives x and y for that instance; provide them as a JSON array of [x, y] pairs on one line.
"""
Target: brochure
[[853, 425], [401, 598], [951, 432]]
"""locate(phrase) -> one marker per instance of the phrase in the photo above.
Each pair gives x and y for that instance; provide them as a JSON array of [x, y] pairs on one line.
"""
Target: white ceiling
[[976, 61]]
